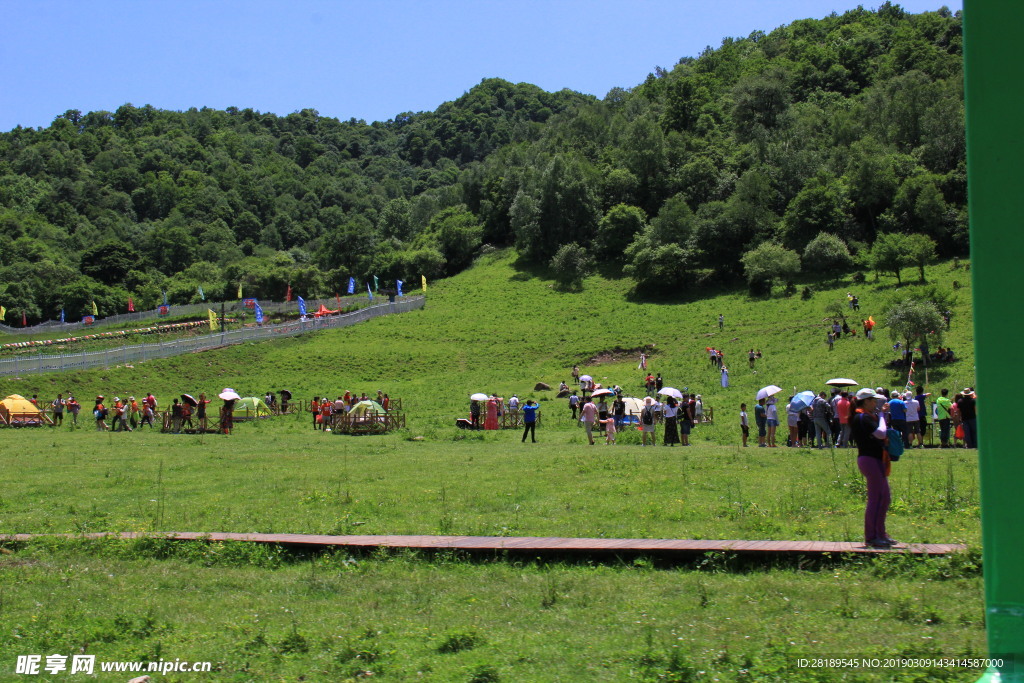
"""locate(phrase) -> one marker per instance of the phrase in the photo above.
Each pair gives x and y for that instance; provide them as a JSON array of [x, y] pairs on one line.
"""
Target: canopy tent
[[18, 411], [323, 310], [250, 407], [364, 407]]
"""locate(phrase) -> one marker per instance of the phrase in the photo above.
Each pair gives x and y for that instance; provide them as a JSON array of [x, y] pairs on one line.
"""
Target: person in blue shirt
[[898, 413], [530, 420]]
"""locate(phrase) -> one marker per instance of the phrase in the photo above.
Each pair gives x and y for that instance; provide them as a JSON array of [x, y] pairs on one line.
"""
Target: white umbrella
[[586, 378], [842, 382], [767, 391], [478, 397], [603, 392], [674, 393], [229, 394]]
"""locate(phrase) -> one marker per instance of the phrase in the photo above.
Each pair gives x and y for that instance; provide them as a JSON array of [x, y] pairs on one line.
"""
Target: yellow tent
[[18, 411]]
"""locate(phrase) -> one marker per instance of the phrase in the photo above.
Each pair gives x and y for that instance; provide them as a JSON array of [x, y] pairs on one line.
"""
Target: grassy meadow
[[268, 614]]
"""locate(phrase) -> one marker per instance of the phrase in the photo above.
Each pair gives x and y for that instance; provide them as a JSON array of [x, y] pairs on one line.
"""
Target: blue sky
[[365, 60]]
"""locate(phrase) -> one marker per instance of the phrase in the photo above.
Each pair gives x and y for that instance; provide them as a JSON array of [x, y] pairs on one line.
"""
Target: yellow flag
[[94, 310], [239, 290], [424, 278], [213, 319], [3, 312]]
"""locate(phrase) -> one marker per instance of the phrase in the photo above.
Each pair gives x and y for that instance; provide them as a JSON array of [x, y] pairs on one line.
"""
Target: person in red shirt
[[325, 414], [314, 409], [843, 413]]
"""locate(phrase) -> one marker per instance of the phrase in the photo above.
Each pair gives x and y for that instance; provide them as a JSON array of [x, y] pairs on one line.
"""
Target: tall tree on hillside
[[617, 229], [568, 210], [920, 251], [889, 254]]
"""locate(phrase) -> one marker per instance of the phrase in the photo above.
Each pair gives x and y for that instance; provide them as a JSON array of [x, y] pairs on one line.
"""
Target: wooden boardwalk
[[533, 544]]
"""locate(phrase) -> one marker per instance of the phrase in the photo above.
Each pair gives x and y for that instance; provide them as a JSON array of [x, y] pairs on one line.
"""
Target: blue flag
[[351, 285], [259, 313], [202, 296], [399, 283], [302, 306], [368, 292], [62, 315]]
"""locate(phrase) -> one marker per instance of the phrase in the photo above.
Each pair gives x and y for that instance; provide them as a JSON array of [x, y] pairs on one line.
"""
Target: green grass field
[[266, 614]]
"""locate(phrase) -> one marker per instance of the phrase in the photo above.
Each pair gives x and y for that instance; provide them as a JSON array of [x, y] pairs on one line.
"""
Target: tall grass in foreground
[[258, 613]]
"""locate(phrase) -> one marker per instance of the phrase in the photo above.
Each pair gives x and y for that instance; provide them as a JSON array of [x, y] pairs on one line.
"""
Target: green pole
[[994, 97]]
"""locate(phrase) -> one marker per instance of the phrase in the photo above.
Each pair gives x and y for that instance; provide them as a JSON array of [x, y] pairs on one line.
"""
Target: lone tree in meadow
[[571, 264], [911, 320], [767, 263]]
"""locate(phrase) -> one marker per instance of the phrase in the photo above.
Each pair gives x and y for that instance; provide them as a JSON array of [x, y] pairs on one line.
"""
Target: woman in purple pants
[[868, 432]]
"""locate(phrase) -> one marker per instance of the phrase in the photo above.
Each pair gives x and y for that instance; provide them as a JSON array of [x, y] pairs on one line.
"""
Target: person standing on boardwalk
[[868, 433], [588, 417], [530, 409]]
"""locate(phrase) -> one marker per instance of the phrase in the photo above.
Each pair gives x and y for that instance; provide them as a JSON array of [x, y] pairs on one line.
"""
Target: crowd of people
[[826, 420], [323, 408]]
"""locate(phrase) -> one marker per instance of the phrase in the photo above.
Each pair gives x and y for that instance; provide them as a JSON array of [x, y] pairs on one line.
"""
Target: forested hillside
[[852, 126]]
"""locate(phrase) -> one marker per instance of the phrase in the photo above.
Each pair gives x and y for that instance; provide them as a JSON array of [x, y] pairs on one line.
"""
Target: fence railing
[[180, 310], [125, 355]]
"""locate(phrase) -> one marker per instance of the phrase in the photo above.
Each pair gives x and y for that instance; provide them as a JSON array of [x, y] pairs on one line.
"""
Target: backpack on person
[[647, 416]]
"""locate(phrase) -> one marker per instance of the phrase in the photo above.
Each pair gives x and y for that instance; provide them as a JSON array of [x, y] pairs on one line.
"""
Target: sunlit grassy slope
[[495, 328]]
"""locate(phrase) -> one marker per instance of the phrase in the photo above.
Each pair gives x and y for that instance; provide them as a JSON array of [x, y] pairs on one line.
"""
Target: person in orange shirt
[[325, 414], [99, 411], [133, 407], [314, 408]]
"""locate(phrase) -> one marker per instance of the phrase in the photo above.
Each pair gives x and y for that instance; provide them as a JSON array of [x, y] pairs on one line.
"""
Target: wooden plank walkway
[[532, 544]]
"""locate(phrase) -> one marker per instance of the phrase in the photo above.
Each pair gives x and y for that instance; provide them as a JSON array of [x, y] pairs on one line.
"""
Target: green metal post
[[993, 77]]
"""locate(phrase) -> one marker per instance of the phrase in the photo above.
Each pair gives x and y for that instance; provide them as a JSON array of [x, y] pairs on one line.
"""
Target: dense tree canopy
[[851, 125]]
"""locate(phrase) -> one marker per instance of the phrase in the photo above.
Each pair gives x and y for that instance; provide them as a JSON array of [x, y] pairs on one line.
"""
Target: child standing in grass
[[609, 430], [744, 425]]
